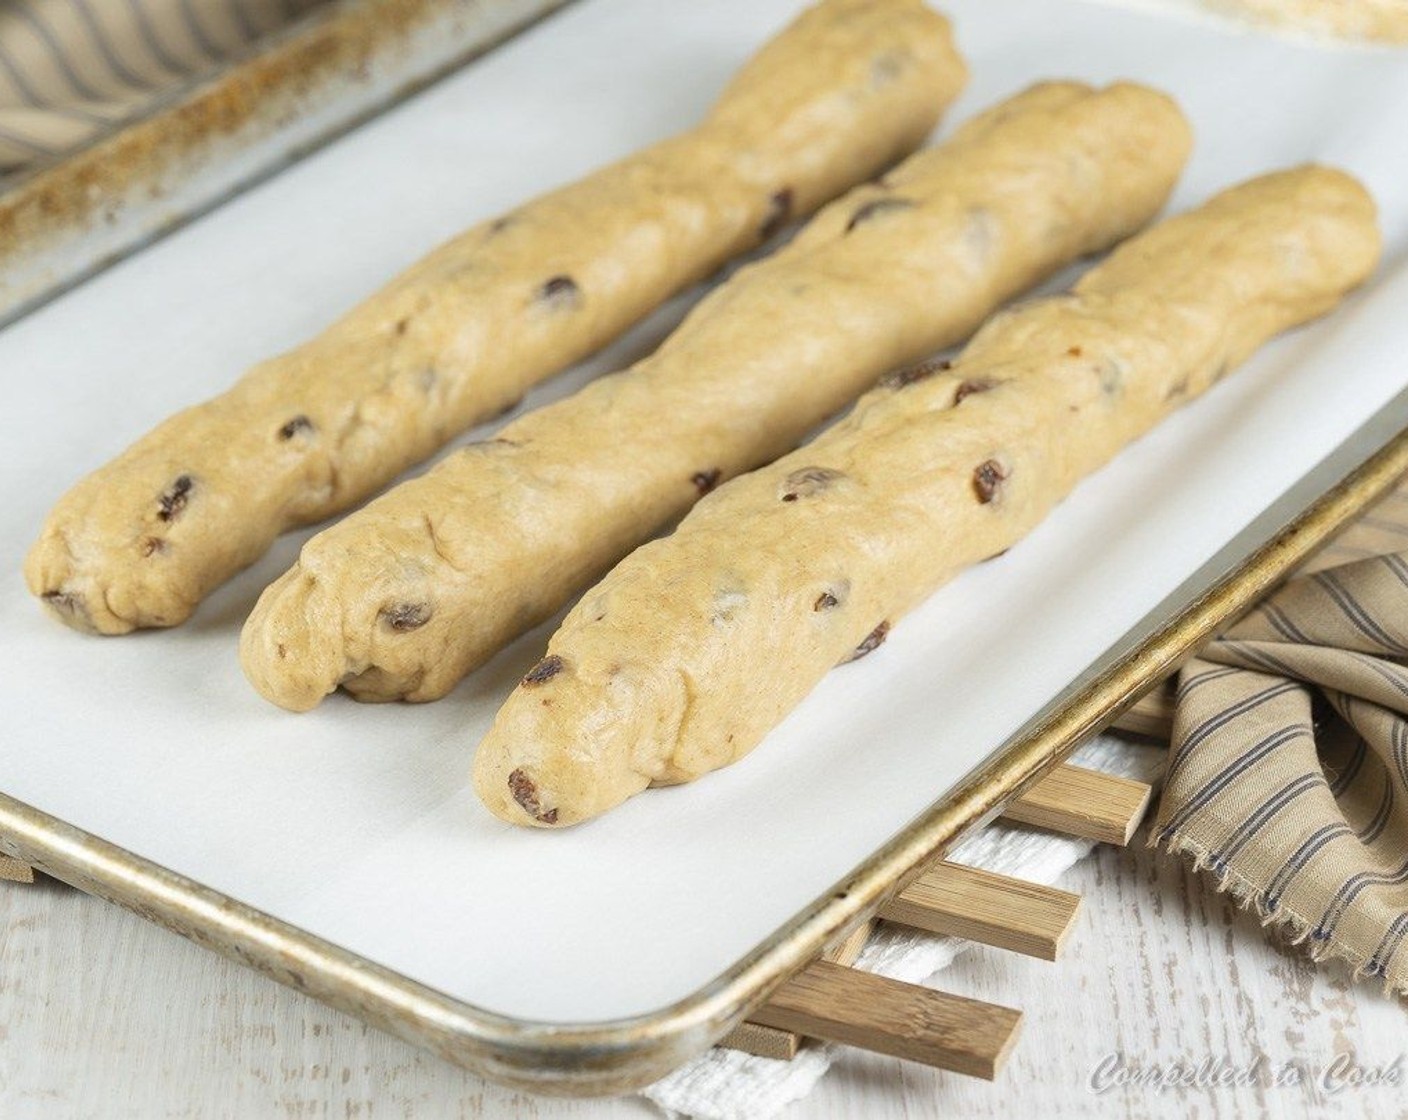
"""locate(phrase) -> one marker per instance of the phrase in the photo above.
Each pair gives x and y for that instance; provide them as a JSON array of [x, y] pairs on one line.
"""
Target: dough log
[[697, 644], [848, 88], [403, 598]]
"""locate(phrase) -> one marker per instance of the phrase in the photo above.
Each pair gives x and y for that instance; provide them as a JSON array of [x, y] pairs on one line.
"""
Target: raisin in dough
[[697, 644], [404, 597], [851, 86]]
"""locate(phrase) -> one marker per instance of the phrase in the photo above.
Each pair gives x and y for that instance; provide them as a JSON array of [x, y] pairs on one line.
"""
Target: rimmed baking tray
[[342, 853]]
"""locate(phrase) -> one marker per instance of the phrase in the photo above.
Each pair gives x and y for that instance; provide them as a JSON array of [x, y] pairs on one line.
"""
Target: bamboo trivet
[[832, 1002]]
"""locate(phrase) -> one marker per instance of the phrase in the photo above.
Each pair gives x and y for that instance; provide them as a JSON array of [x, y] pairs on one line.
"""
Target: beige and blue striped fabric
[[70, 69], [1288, 768]]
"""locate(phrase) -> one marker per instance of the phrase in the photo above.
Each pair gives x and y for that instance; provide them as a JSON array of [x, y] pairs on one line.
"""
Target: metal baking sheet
[[342, 851], [209, 138]]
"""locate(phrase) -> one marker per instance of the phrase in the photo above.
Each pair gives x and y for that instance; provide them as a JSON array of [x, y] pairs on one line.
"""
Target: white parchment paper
[[357, 823]]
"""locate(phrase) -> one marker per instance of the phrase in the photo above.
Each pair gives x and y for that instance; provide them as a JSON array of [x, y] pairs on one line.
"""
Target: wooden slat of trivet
[[13, 871], [1151, 715], [983, 906], [1085, 803], [762, 1042], [772, 1042], [839, 1004]]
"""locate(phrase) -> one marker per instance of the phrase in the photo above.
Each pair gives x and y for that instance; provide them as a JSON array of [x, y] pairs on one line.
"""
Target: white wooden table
[[103, 1015]]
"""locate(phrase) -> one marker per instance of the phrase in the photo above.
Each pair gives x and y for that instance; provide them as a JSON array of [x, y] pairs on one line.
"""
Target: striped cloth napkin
[[71, 69], [1287, 777]]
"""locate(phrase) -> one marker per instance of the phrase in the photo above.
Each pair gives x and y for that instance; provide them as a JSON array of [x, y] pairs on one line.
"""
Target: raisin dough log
[[851, 86], [697, 644], [404, 597]]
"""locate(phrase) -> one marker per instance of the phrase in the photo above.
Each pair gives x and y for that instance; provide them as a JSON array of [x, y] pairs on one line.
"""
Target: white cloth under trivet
[[729, 1085]]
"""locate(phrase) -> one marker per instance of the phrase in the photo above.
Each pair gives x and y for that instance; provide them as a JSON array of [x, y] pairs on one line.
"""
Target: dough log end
[[515, 794], [1361, 246], [49, 575], [108, 594], [290, 653], [375, 607], [526, 773], [521, 786], [1334, 242]]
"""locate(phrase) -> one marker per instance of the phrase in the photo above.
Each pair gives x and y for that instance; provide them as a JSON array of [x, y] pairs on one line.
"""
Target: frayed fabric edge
[[1286, 923]]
